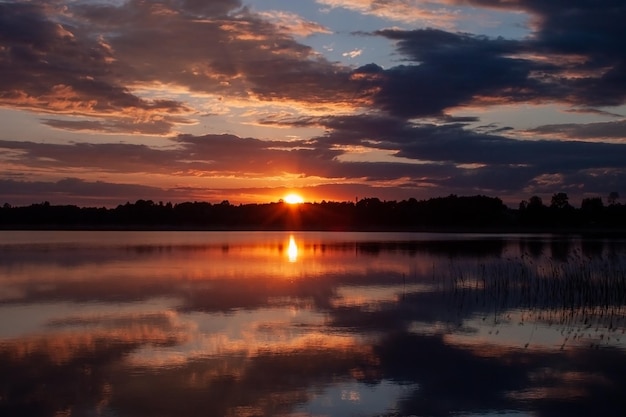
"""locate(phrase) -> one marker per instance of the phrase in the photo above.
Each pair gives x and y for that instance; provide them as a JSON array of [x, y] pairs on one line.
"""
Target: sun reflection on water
[[292, 250], [325, 324]]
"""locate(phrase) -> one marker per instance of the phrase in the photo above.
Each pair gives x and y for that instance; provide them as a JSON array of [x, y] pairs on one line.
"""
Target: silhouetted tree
[[523, 205], [592, 209], [561, 213], [592, 204], [613, 198], [560, 201], [535, 203], [533, 213], [369, 213]]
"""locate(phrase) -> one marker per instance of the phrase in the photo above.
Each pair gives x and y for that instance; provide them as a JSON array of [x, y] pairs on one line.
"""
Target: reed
[[585, 295]]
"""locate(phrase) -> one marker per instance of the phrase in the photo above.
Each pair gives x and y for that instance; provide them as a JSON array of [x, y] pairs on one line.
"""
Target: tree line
[[452, 212]]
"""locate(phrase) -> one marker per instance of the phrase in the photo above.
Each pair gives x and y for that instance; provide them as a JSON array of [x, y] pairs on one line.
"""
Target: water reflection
[[168, 324], [292, 249]]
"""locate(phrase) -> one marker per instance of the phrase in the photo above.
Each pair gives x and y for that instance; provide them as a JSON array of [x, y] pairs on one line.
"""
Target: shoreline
[[494, 230]]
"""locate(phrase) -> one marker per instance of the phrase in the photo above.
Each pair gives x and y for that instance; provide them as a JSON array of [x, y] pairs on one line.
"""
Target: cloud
[[149, 68], [594, 32], [463, 146], [447, 157], [353, 53], [450, 70], [588, 31], [86, 193], [253, 57], [405, 11], [455, 143], [615, 130], [249, 156], [119, 125], [574, 57], [209, 155], [50, 67], [455, 158], [219, 155], [107, 157], [294, 24], [245, 55], [113, 61]]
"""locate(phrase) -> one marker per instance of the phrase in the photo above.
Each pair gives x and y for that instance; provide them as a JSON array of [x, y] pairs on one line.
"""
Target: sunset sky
[[108, 101]]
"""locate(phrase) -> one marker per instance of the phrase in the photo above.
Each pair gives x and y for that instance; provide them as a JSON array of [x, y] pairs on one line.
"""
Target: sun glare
[[293, 199], [292, 250]]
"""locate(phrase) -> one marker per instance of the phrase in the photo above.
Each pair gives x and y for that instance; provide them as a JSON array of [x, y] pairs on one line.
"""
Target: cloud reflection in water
[[374, 324]]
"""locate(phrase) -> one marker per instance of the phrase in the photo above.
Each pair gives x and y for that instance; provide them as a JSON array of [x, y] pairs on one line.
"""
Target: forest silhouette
[[453, 213]]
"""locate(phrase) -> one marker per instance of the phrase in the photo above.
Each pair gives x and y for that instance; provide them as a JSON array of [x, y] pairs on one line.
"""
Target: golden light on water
[[292, 250]]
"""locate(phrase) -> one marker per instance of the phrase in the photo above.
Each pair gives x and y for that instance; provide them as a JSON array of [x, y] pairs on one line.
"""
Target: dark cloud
[[239, 52], [599, 130], [107, 157], [455, 158], [582, 183], [452, 143], [108, 62], [449, 157], [90, 58], [56, 67], [209, 154], [118, 125], [561, 62], [588, 30], [594, 30], [574, 56], [230, 153], [455, 143], [76, 191], [85, 193], [450, 70], [464, 161]]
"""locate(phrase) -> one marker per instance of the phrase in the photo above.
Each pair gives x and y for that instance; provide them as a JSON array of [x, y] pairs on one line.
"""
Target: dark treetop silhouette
[[443, 213]]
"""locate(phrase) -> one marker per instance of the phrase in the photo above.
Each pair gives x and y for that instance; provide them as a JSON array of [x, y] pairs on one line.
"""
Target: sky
[[108, 101]]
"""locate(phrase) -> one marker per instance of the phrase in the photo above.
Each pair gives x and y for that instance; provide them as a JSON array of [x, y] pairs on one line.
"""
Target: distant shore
[[596, 232], [452, 214]]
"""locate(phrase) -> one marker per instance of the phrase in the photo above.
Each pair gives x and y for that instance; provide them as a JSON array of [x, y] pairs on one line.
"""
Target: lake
[[311, 324]]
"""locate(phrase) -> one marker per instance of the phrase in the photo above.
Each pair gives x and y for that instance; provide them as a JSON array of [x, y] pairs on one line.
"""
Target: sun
[[293, 198]]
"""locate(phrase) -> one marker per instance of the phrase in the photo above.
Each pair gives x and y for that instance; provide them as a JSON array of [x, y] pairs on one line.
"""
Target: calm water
[[310, 324]]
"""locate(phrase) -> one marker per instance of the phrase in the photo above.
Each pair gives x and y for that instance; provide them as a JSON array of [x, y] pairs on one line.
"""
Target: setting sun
[[293, 199]]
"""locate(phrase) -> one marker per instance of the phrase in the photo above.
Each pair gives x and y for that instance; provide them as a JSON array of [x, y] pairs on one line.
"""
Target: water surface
[[310, 324]]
